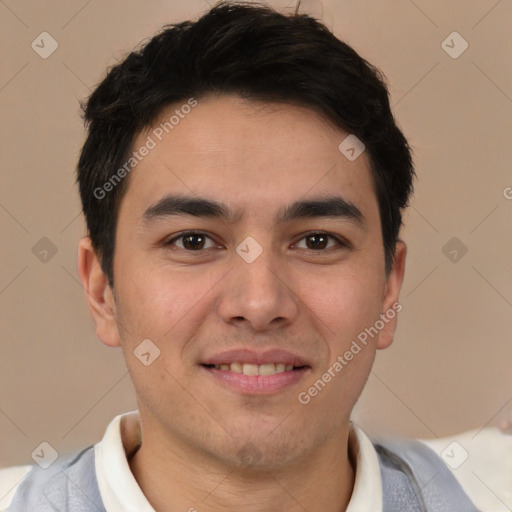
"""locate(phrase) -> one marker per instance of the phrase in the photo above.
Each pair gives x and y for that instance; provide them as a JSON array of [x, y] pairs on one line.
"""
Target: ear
[[390, 306], [98, 294]]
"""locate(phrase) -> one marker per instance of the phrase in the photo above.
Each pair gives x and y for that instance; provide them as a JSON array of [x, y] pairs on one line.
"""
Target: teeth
[[250, 369], [265, 369], [256, 369], [236, 367]]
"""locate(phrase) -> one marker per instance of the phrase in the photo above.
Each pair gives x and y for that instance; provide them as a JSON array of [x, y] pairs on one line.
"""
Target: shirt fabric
[[485, 472]]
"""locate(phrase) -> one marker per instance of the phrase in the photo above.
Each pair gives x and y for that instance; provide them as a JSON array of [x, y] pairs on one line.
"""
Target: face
[[293, 286]]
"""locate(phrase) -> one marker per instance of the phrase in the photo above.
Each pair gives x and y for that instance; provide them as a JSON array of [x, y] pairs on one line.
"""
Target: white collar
[[120, 491]]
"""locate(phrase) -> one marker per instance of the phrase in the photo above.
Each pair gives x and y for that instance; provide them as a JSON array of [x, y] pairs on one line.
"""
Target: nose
[[259, 294]]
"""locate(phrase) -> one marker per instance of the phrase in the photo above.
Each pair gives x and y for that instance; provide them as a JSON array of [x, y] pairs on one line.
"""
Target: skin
[[311, 301]]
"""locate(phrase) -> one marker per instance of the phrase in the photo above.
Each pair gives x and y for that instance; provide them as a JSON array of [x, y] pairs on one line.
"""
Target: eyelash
[[341, 242]]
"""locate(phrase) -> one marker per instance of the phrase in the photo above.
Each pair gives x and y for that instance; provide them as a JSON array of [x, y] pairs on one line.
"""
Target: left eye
[[320, 240], [194, 241]]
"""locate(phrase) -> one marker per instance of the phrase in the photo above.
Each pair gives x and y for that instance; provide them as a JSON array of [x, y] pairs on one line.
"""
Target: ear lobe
[[98, 294], [391, 305]]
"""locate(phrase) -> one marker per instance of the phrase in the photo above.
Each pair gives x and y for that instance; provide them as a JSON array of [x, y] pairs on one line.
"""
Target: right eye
[[191, 241]]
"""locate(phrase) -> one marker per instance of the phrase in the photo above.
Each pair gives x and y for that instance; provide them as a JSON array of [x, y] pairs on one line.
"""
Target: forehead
[[242, 151]]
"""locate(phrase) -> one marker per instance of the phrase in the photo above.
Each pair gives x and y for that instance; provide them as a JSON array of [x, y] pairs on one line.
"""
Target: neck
[[178, 478]]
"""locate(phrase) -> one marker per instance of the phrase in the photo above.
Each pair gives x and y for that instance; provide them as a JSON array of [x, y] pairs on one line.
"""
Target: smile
[[255, 369], [256, 379]]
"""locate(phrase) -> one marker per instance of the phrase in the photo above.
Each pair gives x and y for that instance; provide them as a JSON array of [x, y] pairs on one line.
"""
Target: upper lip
[[244, 355]]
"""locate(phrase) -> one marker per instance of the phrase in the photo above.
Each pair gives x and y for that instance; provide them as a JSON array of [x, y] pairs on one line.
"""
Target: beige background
[[449, 368]]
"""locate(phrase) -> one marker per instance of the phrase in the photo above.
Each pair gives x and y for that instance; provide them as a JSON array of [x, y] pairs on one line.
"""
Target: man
[[243, 181]]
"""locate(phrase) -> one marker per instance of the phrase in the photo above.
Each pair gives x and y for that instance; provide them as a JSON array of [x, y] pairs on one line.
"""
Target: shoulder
[[27, 487], [481, 461], [10, 479]]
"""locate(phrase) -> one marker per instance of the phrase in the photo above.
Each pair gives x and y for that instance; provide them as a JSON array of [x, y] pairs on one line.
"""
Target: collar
[[120, 491]]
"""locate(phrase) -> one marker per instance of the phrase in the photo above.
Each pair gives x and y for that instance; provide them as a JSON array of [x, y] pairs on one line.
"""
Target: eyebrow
[[328, 207]]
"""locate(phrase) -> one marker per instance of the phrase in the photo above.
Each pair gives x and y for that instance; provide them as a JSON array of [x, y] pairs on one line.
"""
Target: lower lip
[[257, 384]]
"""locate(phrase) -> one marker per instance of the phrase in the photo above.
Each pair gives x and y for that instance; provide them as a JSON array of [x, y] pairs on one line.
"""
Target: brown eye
[[319, 241], [191, 241]]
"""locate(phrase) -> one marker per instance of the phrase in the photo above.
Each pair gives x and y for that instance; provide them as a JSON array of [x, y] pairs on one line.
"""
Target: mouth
[[255, 369], [251, 378]]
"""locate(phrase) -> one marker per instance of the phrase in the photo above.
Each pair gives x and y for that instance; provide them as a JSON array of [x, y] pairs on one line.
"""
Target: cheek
[[345, 304], [164, 306], [155, 296]]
